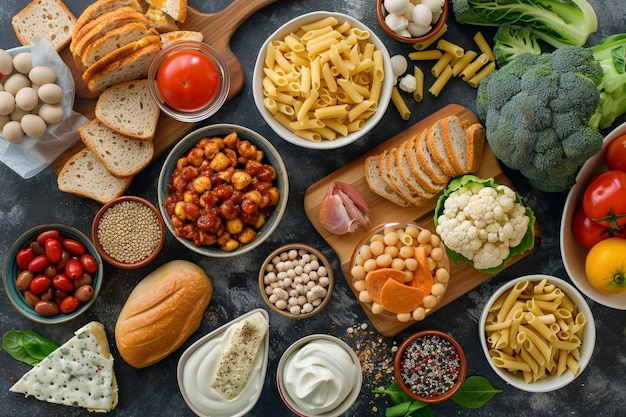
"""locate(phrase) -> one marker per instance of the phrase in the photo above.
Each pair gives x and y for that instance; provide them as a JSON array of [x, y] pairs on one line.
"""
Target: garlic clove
[[343, 209]]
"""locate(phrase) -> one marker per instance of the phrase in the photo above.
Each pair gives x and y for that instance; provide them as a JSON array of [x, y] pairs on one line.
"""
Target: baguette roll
[[161, 312]]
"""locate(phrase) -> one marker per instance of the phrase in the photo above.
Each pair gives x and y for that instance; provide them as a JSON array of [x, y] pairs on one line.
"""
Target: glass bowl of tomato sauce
[[189, 80]]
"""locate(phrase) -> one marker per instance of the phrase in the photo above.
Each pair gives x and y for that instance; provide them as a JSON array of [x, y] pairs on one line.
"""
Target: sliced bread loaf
[[48, 18], [176, 9], [476, 137], [408, 188], [456, 142], [437, 148], [419, 154], [128, 109], [96, 9], [416, 176], [84, 175], [378, 185], [122, 156], [133, 66], [113, 40]]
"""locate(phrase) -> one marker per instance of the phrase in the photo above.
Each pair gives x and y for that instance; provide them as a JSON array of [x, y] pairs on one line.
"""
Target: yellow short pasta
[[324, 80]]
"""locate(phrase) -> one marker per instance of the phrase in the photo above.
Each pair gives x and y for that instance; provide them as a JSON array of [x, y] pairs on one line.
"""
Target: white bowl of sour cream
[[200, 361], [319, 375]]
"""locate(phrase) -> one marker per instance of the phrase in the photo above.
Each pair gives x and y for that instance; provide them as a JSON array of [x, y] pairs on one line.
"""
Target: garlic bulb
[[343, 209]]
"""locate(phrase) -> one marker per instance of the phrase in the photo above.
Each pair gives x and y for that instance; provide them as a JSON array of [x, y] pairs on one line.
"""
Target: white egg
[[41, 74], [51, 113], [422, 15], [33, 125], [50, 93], [396, 22], [18, 113], [417, 31], [408, 11], [7, 103], [396, 6], [23, 62], [6, 62], [12, 132], [26, 98], [15, 83], [399, 64], [436, 16]]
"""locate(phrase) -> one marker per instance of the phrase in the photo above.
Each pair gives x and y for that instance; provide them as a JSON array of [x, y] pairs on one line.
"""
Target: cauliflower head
[[482, 221]]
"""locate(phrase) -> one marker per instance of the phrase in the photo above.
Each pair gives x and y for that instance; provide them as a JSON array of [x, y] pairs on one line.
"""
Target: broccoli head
[[538, 111], [510, 41]]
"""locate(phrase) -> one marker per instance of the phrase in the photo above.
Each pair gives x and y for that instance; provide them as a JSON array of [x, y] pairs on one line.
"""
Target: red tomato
[[74, 247], [187, 80], [39, 284], [53, 250], [589, 232], [74, 269], [615, 155], [23, 257], [89, 263], [47, 234], [69, 304], [38, 263], [63, 282], [605, 199]]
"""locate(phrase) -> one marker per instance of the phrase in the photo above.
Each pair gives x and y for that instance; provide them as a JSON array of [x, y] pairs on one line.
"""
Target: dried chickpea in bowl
[[222, 190], [400, 271]]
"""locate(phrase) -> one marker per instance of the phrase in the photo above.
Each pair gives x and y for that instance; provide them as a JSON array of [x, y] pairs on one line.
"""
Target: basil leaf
[[27, 346], [409, 408], [394, 392], [475, 392]]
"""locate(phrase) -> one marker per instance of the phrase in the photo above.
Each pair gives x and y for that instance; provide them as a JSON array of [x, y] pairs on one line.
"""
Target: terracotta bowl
[[381, 13], [446, 365]]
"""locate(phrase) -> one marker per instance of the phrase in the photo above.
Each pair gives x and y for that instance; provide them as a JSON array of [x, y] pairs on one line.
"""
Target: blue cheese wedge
[[78, 373], [237, 358]]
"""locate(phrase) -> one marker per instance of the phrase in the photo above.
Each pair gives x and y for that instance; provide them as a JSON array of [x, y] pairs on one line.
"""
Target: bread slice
[[130, 67], [176, 9], [78, 373], [122, 156], [113, 40], [128, 109], [476, 137], [180, 35], [98, 8], [102, 25], [419, 154], [378, 185], [456, 143], [406, 186], [48, 18], [437, 148], [160, 21], [84, 175]]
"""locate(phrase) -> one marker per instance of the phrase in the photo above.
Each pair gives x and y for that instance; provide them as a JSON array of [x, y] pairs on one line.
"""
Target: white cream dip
[[320, 376]]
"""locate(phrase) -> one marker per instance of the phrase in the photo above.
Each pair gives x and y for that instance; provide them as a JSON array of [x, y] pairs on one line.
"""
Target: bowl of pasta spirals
[[322, 80], [537, 332], [223, 190]]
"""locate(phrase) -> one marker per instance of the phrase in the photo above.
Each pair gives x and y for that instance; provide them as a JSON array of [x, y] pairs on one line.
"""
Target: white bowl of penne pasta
[[537, 332], [322, 80]]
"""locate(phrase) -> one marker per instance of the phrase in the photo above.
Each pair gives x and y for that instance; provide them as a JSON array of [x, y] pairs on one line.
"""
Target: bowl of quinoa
[[296, 281], [430, 366], [128, 232]]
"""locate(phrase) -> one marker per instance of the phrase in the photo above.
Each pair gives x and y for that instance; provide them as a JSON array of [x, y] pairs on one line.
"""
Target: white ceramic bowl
[[272, 157], [573, 252], [293, 26], [213, 404], [551, 382], [307, 377]]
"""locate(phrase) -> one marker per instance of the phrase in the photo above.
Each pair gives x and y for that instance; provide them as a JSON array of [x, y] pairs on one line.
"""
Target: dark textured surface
[[153, 391]]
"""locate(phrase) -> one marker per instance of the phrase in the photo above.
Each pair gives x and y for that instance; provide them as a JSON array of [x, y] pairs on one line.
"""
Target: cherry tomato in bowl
[[589, 232], [615, 155], [604, 199]]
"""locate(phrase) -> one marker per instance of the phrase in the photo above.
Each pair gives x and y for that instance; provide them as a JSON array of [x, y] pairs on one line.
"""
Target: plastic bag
[[31, 156]]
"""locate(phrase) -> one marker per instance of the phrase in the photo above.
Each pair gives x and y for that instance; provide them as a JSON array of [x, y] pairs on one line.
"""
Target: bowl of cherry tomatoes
[[52, 273], [593, 225], [189, 80]]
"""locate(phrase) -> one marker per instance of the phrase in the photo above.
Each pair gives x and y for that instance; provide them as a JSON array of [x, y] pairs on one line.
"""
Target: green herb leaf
[[394, 392], [475, 392], [27, 346], [409, 409]]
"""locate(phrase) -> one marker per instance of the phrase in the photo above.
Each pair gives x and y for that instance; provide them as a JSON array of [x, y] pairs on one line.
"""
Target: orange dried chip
[[399, 298], [374, 281]]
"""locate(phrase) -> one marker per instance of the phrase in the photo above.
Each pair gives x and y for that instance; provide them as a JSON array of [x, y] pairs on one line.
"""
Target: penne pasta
[[426, 43], [400, 105], [450, 47], [481, 74], [470, 70], [418, 93], [427, 55], [484, 47]]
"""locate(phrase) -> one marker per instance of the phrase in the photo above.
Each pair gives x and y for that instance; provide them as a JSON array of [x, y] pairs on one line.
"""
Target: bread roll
[[161, 312]]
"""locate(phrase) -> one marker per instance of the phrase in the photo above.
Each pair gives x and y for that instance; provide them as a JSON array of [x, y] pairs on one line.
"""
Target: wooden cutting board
[[217, 28], [463, 276]]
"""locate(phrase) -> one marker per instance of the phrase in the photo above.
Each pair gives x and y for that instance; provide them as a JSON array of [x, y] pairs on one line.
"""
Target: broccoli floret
[[510, 41], [556, 22], [542, 112]]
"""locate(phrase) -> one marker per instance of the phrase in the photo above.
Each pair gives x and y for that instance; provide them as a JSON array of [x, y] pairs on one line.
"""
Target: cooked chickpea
[[234, 226]]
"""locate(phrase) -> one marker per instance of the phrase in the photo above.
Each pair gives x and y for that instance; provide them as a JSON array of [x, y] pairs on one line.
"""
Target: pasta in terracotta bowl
[[537, 332], [322, 80]]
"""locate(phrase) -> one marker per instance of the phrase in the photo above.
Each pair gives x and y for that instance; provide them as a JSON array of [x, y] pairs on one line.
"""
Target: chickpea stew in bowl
[[223, 190]]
